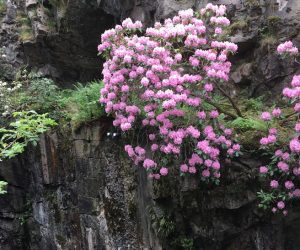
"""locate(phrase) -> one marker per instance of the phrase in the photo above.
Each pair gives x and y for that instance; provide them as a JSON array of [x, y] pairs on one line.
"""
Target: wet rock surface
[[79, 191], [76, 193]]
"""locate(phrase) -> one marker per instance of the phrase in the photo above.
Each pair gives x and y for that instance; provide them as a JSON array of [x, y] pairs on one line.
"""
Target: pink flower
[[129, 150], [266, 116], [218, 30], [264, 141], [217, 175], [289, 185], [230, 151], [297, 127], [156, 176], [274, 184], [125, 88], [276, 112], [297, 107], [205, 173], [184, 168], [208, 162], [296, 193], [154, 147], [145, 81], [192, 170], [295, 145], [125, 126], [272, 139], [263, 169], [281, 205], [278, 153], [287, 47], [178, 57], [127, 59], [273, 131], [283, 166], [193, 132], [285, 156], [228, 131], [152, 137], [168, 104], [236, 147], [163, 171], [214, 114], [149, 164], [195, 159], [274, 210], [140, 151], [208, 87], [216, 165], [201, 115], [296, 171]]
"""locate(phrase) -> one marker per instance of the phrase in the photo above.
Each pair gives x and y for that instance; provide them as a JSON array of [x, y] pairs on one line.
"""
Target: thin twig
[[294, 113], [238, 111], [234, 116]]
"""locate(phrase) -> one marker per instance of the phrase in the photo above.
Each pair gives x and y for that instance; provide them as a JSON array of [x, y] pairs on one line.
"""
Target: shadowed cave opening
[[70, 55]]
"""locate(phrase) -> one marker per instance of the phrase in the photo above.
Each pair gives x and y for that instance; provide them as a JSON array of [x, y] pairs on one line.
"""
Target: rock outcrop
[[77, 191]]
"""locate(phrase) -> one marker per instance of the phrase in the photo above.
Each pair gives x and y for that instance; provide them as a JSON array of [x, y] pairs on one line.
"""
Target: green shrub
[[3, 185], [26, 129], [41, 95], [2, 6], [238, 25], [82, 104], [78, 105], [254, 104], [24, 27], [183, 243], [245, 124]]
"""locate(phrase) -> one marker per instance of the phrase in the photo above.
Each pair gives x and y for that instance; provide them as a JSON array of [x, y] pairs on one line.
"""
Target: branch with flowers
[[283, 171], [165, 81]]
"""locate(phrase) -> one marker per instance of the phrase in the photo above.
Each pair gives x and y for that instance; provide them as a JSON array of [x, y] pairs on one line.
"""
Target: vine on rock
[[165, 80]]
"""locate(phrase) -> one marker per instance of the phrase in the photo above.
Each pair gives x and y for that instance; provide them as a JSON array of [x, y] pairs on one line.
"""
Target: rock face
[[80, 192], [77, 191], [58, 41]]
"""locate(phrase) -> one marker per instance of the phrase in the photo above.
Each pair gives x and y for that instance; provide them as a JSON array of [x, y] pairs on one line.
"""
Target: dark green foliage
[[2, 6], [3, 185], [26, 129], [41, 95], [82, 104], [183, 243], [78, 105], [162, 224], [245, 124]]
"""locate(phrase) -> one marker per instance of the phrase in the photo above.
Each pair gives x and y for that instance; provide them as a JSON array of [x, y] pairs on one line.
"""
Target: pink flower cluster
[[267, 116], [270, 139], [294, 91], [148, 84], [287, 48], [284, 168]]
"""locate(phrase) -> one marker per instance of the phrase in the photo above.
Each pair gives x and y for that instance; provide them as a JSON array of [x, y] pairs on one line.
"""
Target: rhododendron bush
[[284, 169], [164, 80]]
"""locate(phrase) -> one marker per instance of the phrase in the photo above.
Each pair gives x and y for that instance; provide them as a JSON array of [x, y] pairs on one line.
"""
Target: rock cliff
[[76, 190]]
